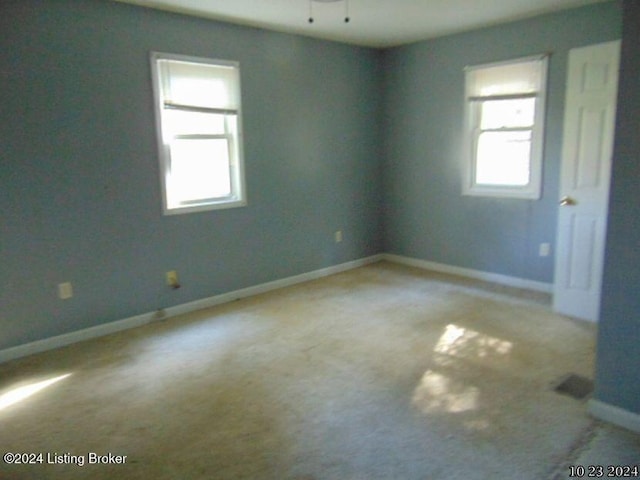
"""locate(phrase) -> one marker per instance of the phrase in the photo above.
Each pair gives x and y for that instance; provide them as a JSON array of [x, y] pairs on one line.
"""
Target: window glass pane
[[199, 170], [507, 113], [180, 122], [503, 158]]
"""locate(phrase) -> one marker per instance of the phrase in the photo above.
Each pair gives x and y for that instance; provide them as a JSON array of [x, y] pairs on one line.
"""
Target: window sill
[[205, 207], [496, 192]]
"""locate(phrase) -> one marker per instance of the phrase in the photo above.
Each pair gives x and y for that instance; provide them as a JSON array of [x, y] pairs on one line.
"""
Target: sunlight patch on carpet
[[463, 342], [21, 393], [439, 393]]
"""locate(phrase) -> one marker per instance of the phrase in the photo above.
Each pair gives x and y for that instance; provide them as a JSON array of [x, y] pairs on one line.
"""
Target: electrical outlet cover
[[65, 290]]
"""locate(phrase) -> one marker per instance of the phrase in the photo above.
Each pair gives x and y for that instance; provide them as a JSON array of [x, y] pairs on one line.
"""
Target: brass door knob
[[567, 201]]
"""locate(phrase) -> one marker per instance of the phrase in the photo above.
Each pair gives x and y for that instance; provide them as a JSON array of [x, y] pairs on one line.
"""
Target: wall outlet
[[544, 250], [172, 279], [65, 290], [338, 236]]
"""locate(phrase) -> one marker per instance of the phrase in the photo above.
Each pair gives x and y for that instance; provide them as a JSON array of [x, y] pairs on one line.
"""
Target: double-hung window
[[199, 132], [505, 127]]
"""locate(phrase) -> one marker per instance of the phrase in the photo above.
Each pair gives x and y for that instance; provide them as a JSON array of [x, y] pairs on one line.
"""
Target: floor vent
[[575, 386]]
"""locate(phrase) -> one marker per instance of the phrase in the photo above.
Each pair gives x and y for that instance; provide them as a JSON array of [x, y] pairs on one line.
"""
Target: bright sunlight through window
[[199, 134], [505, 113]]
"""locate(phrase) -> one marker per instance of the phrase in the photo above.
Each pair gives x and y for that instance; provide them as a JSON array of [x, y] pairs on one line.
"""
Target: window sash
[[191, 108], [211, 174], [512, 113], [509, 167]]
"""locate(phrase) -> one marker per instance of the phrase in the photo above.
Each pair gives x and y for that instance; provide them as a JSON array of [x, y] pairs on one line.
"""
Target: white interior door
[[589, 126]]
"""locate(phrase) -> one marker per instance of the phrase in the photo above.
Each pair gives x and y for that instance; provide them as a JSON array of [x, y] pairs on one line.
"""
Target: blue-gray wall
[[80, 193], [426, 216], [618, 354]]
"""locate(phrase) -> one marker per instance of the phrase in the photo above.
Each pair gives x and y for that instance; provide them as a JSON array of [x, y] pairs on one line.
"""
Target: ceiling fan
[[346, 8]]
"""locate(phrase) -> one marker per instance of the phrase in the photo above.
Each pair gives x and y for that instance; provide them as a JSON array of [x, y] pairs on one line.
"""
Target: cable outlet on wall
[[544, 250], [172, 279], [338, 236], [65, 290]]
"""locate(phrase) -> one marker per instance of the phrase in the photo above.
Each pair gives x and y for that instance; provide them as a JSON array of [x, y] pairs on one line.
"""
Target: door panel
[[590, 148], [585, 174], [583, 236]]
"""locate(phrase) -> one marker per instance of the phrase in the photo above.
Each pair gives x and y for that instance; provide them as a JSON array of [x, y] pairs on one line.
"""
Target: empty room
[[410, 249]]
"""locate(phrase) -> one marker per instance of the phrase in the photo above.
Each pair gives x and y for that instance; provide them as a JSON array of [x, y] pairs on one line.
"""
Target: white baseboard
[[267, 287], [74, 337], [139, 320], [616, 415], [467, 272]]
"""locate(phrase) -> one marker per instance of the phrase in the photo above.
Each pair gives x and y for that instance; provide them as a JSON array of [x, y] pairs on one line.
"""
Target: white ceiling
[[374, 23]]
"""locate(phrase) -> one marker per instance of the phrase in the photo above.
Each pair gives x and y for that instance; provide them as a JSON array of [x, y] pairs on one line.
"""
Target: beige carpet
[[383, 372]]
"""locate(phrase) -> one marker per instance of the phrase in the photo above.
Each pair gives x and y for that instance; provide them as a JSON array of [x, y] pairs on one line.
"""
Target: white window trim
[[238, 197], [533, 190]]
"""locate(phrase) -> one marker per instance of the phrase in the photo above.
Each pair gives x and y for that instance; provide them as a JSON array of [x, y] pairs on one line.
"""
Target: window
[[199, 132], [505, 127]]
